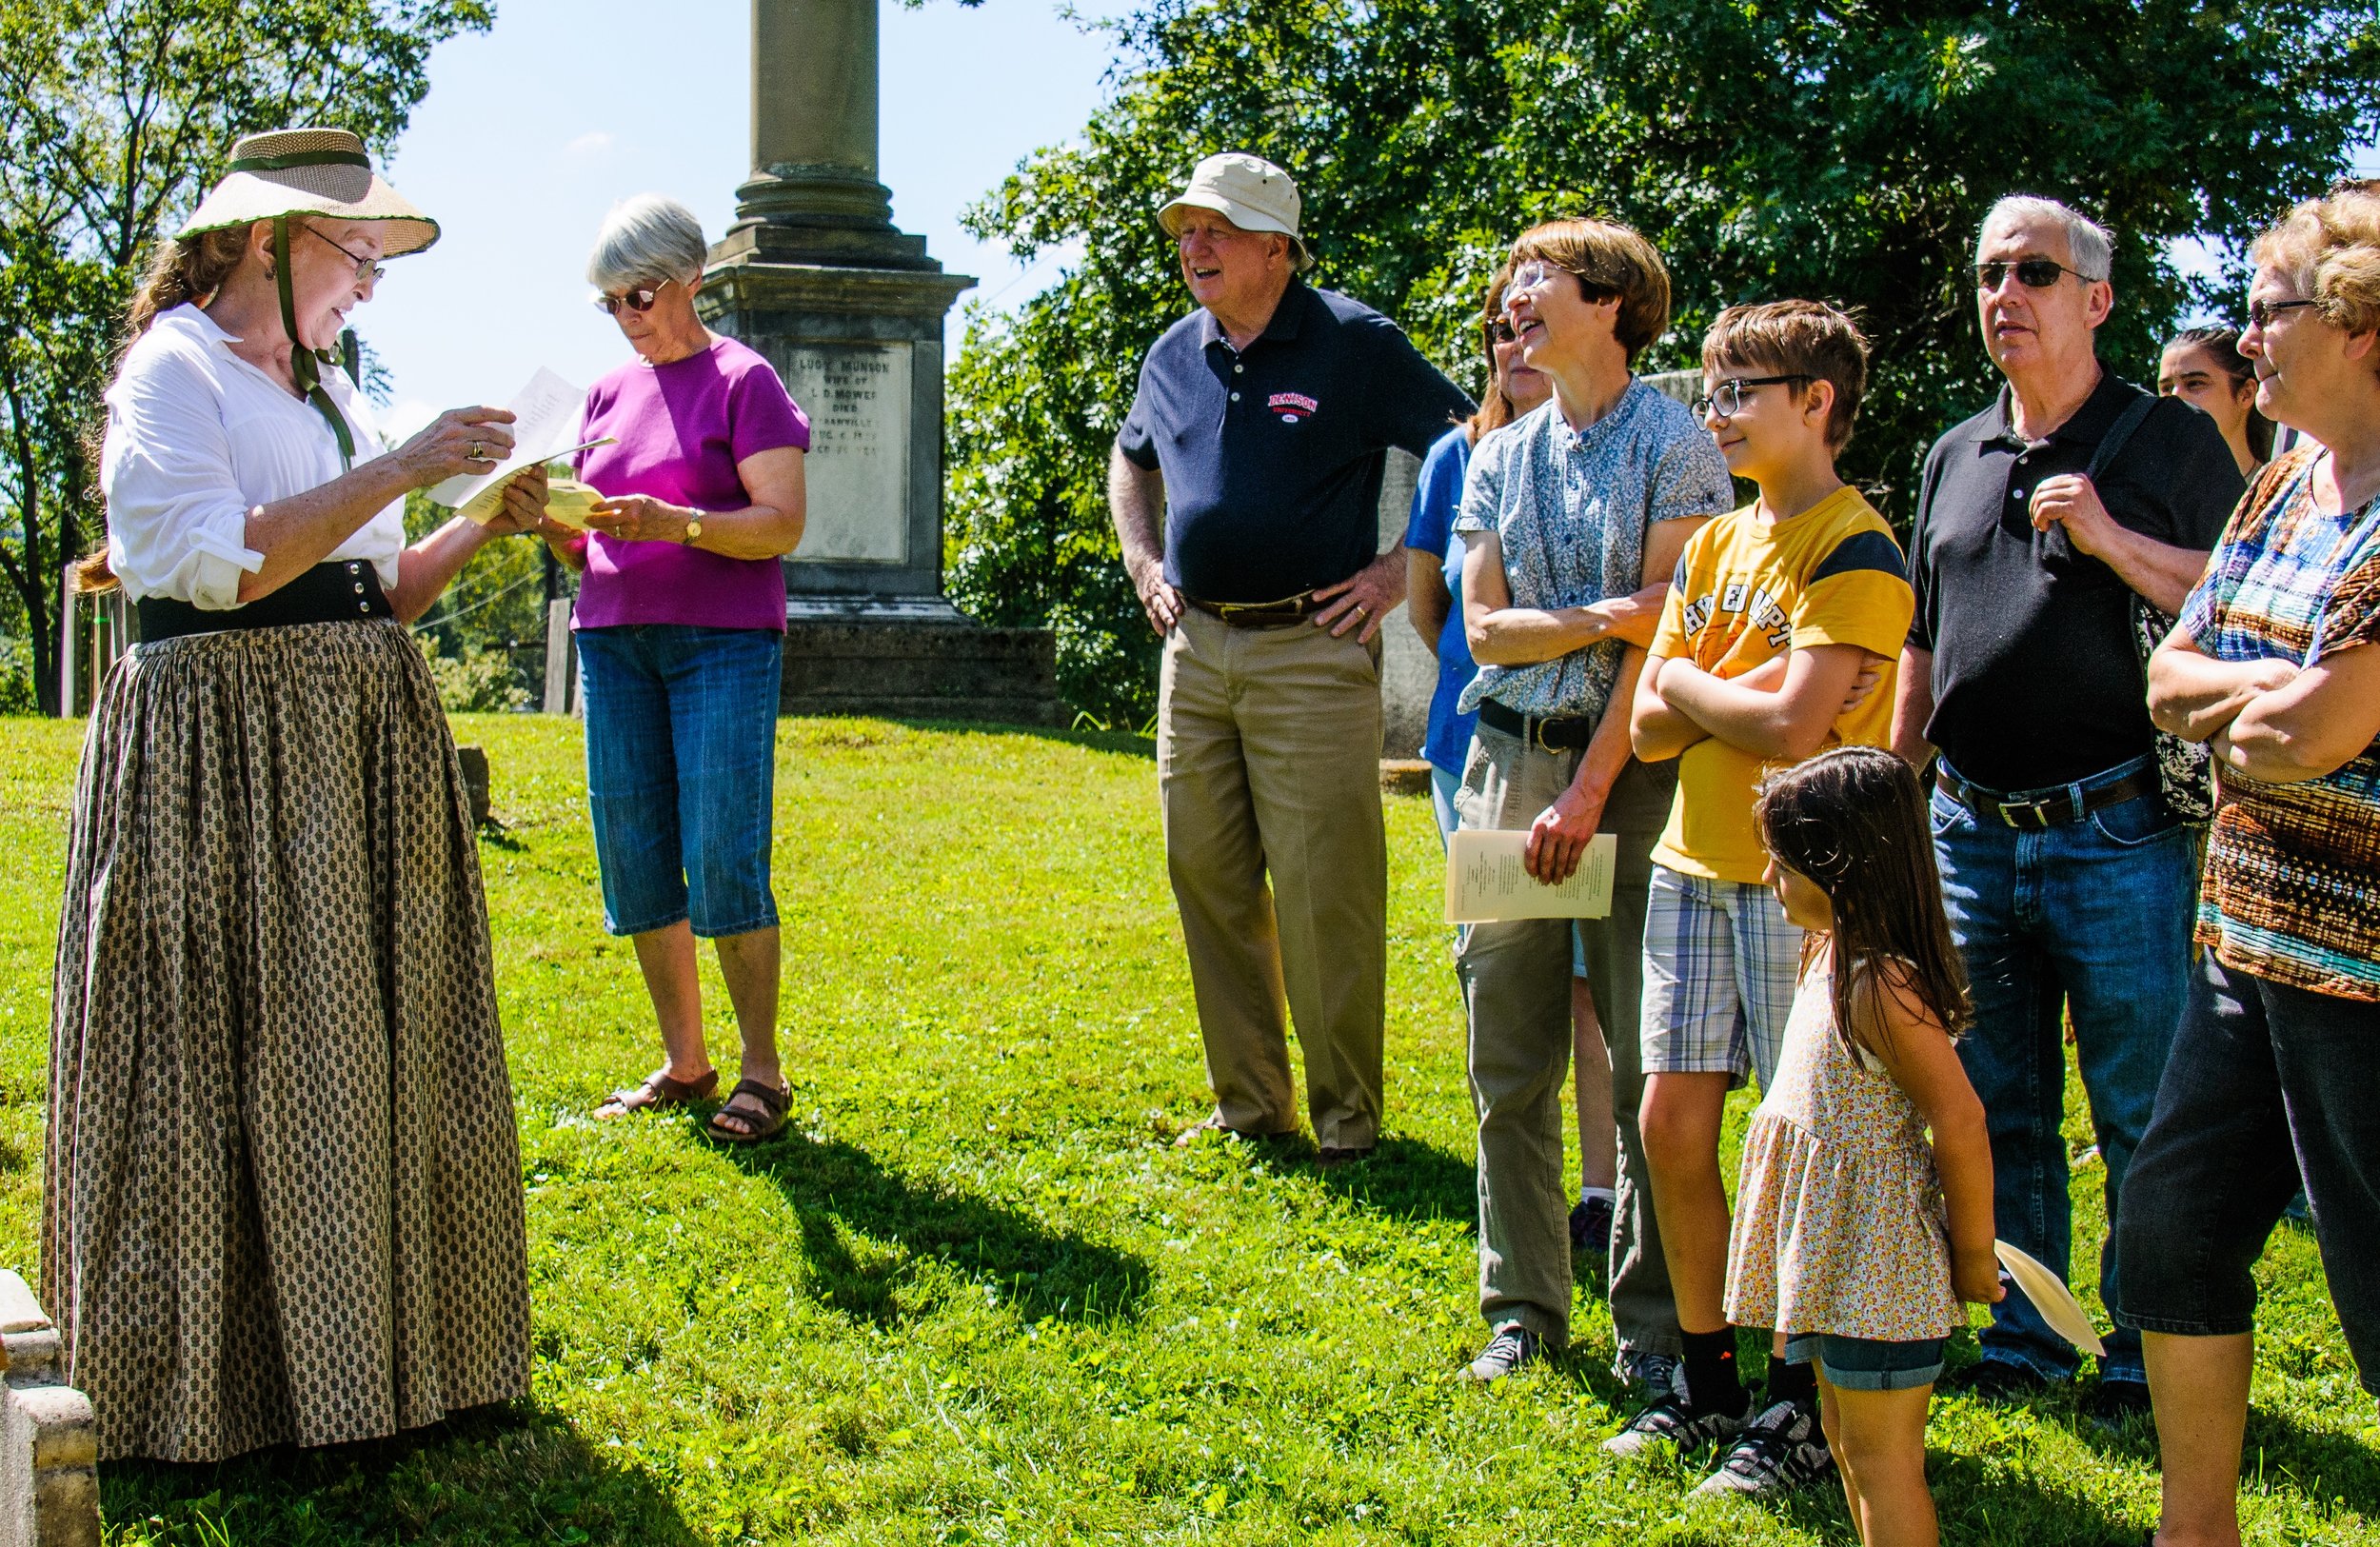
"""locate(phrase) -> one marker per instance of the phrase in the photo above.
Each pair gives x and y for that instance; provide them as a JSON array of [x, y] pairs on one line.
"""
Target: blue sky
[[533, 131]]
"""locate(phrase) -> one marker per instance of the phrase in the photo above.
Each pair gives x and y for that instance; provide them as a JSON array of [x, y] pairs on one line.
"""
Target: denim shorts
[[1870, 1363], [681, 773], [2269, 1085]]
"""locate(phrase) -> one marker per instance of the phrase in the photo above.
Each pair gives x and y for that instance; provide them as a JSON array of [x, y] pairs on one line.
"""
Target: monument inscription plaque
[[857, 397]]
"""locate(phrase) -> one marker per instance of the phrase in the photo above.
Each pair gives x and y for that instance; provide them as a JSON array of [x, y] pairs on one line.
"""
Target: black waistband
[[346, 590], [1565, 733]]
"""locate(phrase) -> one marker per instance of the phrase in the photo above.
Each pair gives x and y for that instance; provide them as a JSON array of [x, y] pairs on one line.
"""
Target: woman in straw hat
[[282, 1197]]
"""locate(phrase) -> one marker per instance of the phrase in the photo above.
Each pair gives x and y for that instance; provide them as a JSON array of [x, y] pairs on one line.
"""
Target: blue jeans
[[2092, 917], [681, 773]]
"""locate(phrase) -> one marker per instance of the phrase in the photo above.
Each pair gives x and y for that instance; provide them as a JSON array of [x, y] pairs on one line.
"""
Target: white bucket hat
[[309, 171], [1247, 190]]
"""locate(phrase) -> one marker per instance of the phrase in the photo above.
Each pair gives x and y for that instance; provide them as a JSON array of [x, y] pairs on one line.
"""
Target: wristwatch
[[693, 531]]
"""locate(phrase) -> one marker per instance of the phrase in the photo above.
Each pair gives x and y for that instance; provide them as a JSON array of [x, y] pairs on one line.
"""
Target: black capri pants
[[2267, 1083]]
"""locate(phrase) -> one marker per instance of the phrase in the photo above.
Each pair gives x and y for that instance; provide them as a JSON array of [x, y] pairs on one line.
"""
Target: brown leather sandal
[[657, 1092], [765, 1123]]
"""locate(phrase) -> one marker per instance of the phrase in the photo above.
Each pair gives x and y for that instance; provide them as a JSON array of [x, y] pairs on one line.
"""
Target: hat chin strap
[[305, 363]]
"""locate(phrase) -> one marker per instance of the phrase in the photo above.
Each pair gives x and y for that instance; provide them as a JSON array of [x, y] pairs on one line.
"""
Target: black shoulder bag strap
[[2185, 769]]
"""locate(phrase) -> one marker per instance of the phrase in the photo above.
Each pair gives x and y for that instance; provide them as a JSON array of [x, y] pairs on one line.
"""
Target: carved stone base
[[917, 660], [49, 1438]]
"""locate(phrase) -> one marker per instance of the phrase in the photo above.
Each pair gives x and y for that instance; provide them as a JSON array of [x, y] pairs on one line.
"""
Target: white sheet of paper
[[545, 422], [1487, 882], [2050, 1297]]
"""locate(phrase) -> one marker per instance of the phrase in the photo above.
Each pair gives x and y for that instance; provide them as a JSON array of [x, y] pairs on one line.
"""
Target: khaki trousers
[[1268, 748], [1516, 985]]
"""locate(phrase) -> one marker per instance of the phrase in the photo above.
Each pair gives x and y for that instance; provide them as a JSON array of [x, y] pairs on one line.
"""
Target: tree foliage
[[116, 117], [1771, 148]]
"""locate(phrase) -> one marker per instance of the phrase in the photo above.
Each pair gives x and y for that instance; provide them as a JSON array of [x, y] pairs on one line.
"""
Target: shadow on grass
[[2322, 1465], [1405, 1179], [1041, 1271], [1976, 1504], [1128, 743], [505, 1474]]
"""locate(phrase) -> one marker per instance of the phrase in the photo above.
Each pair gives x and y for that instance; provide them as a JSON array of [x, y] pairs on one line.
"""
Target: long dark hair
[[1853, 820], [1496, 410], [2222, 347]]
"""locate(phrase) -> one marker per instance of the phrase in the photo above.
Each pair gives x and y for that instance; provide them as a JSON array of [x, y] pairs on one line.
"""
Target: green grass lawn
[[973, 1295]]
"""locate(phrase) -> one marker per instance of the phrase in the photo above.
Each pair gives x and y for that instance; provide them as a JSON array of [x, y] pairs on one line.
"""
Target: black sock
[[1793, 1382], [1711, 1384]]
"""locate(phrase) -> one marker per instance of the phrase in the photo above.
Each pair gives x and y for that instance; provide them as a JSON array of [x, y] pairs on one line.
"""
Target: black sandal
[[658, 1091], [774, 1100]]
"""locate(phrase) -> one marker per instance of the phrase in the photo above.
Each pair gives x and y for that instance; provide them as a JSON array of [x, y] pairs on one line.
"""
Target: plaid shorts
[[1720, 963]]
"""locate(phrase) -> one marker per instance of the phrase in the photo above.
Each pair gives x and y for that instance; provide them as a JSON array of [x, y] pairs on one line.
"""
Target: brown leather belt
[[1566, 734], [1280, 614], [2051, 810]]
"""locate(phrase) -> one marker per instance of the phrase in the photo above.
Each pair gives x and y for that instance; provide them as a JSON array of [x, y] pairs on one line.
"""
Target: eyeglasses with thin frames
[[2032, 274], [1727, 397], [640, 298], [2262, 312], [367, 271]]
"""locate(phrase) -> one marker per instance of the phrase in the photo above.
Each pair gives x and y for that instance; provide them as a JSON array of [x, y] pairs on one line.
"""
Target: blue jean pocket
[[1944, 813], [2136, 822]]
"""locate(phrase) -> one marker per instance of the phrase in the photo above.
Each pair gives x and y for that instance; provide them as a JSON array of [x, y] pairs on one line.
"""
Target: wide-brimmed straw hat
[[309, 171], [1247, 190]]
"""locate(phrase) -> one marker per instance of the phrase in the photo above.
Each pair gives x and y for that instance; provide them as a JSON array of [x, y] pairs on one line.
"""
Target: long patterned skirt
[[283, 1192]]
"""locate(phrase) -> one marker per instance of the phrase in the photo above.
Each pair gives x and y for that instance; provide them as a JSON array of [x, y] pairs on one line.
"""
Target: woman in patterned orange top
[[2272, 665]]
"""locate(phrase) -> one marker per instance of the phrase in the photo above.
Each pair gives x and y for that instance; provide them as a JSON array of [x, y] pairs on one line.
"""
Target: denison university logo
[[1292, 406]]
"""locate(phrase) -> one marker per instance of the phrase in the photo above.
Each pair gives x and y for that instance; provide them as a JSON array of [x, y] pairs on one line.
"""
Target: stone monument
[[815, 276]]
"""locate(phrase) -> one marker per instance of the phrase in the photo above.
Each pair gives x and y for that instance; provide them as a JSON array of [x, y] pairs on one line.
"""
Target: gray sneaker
[[1781, 1450], [1659, 1375], [1667, 1421], [1512, 1346]]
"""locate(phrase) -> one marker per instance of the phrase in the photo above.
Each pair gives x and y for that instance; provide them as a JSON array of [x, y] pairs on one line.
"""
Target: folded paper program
[[545, 428]]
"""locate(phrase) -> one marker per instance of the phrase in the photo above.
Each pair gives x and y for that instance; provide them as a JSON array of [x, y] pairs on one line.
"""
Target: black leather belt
[[1289, 609], [2051, 810], [345, 590], [1565, 734]]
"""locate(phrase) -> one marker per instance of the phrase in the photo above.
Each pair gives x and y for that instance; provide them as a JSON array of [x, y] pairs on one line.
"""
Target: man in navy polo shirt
[[1246, 488]]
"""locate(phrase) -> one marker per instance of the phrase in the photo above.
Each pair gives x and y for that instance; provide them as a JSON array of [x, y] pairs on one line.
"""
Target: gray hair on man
[[2089, 247], [644, 240]]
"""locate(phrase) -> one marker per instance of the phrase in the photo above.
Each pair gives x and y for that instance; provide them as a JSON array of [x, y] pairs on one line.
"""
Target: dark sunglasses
[[1727, 397], [2262, 312], [636, 299], [1499, 331], [365, 268], [2032, 274]]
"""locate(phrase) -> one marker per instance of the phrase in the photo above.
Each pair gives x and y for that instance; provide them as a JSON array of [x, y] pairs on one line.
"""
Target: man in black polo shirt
[[2068, 882], [1245, 486]]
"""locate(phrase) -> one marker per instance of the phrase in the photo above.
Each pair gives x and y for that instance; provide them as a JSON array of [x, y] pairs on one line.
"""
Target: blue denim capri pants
[[681, 773]]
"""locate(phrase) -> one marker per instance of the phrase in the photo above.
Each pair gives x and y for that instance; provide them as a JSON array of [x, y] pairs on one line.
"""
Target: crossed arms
[[2269, 720]]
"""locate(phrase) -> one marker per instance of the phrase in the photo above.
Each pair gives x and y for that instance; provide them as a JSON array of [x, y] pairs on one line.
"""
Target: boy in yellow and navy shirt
[[1778, 640]]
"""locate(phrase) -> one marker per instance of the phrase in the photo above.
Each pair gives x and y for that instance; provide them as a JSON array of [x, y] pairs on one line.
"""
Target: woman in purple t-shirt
[[681, 623]]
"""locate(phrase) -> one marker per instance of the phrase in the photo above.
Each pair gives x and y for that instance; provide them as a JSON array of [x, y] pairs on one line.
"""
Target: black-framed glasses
[[640, 298], [1727, 397], [367, 269], [2262, 312], [2032, 274]]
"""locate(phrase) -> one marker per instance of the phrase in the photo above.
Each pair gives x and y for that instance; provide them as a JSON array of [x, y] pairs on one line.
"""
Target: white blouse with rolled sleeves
[[198, 438]]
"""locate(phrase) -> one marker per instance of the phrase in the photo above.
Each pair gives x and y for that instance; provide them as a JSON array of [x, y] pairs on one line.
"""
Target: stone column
[[815, 276], [814, 121]]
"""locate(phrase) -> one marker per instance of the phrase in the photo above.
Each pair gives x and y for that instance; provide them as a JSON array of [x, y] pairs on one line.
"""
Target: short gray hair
[[2089, 247], [646, 239]]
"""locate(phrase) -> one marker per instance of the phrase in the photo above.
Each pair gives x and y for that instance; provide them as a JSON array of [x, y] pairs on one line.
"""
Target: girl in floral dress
[[1853, 1237]]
